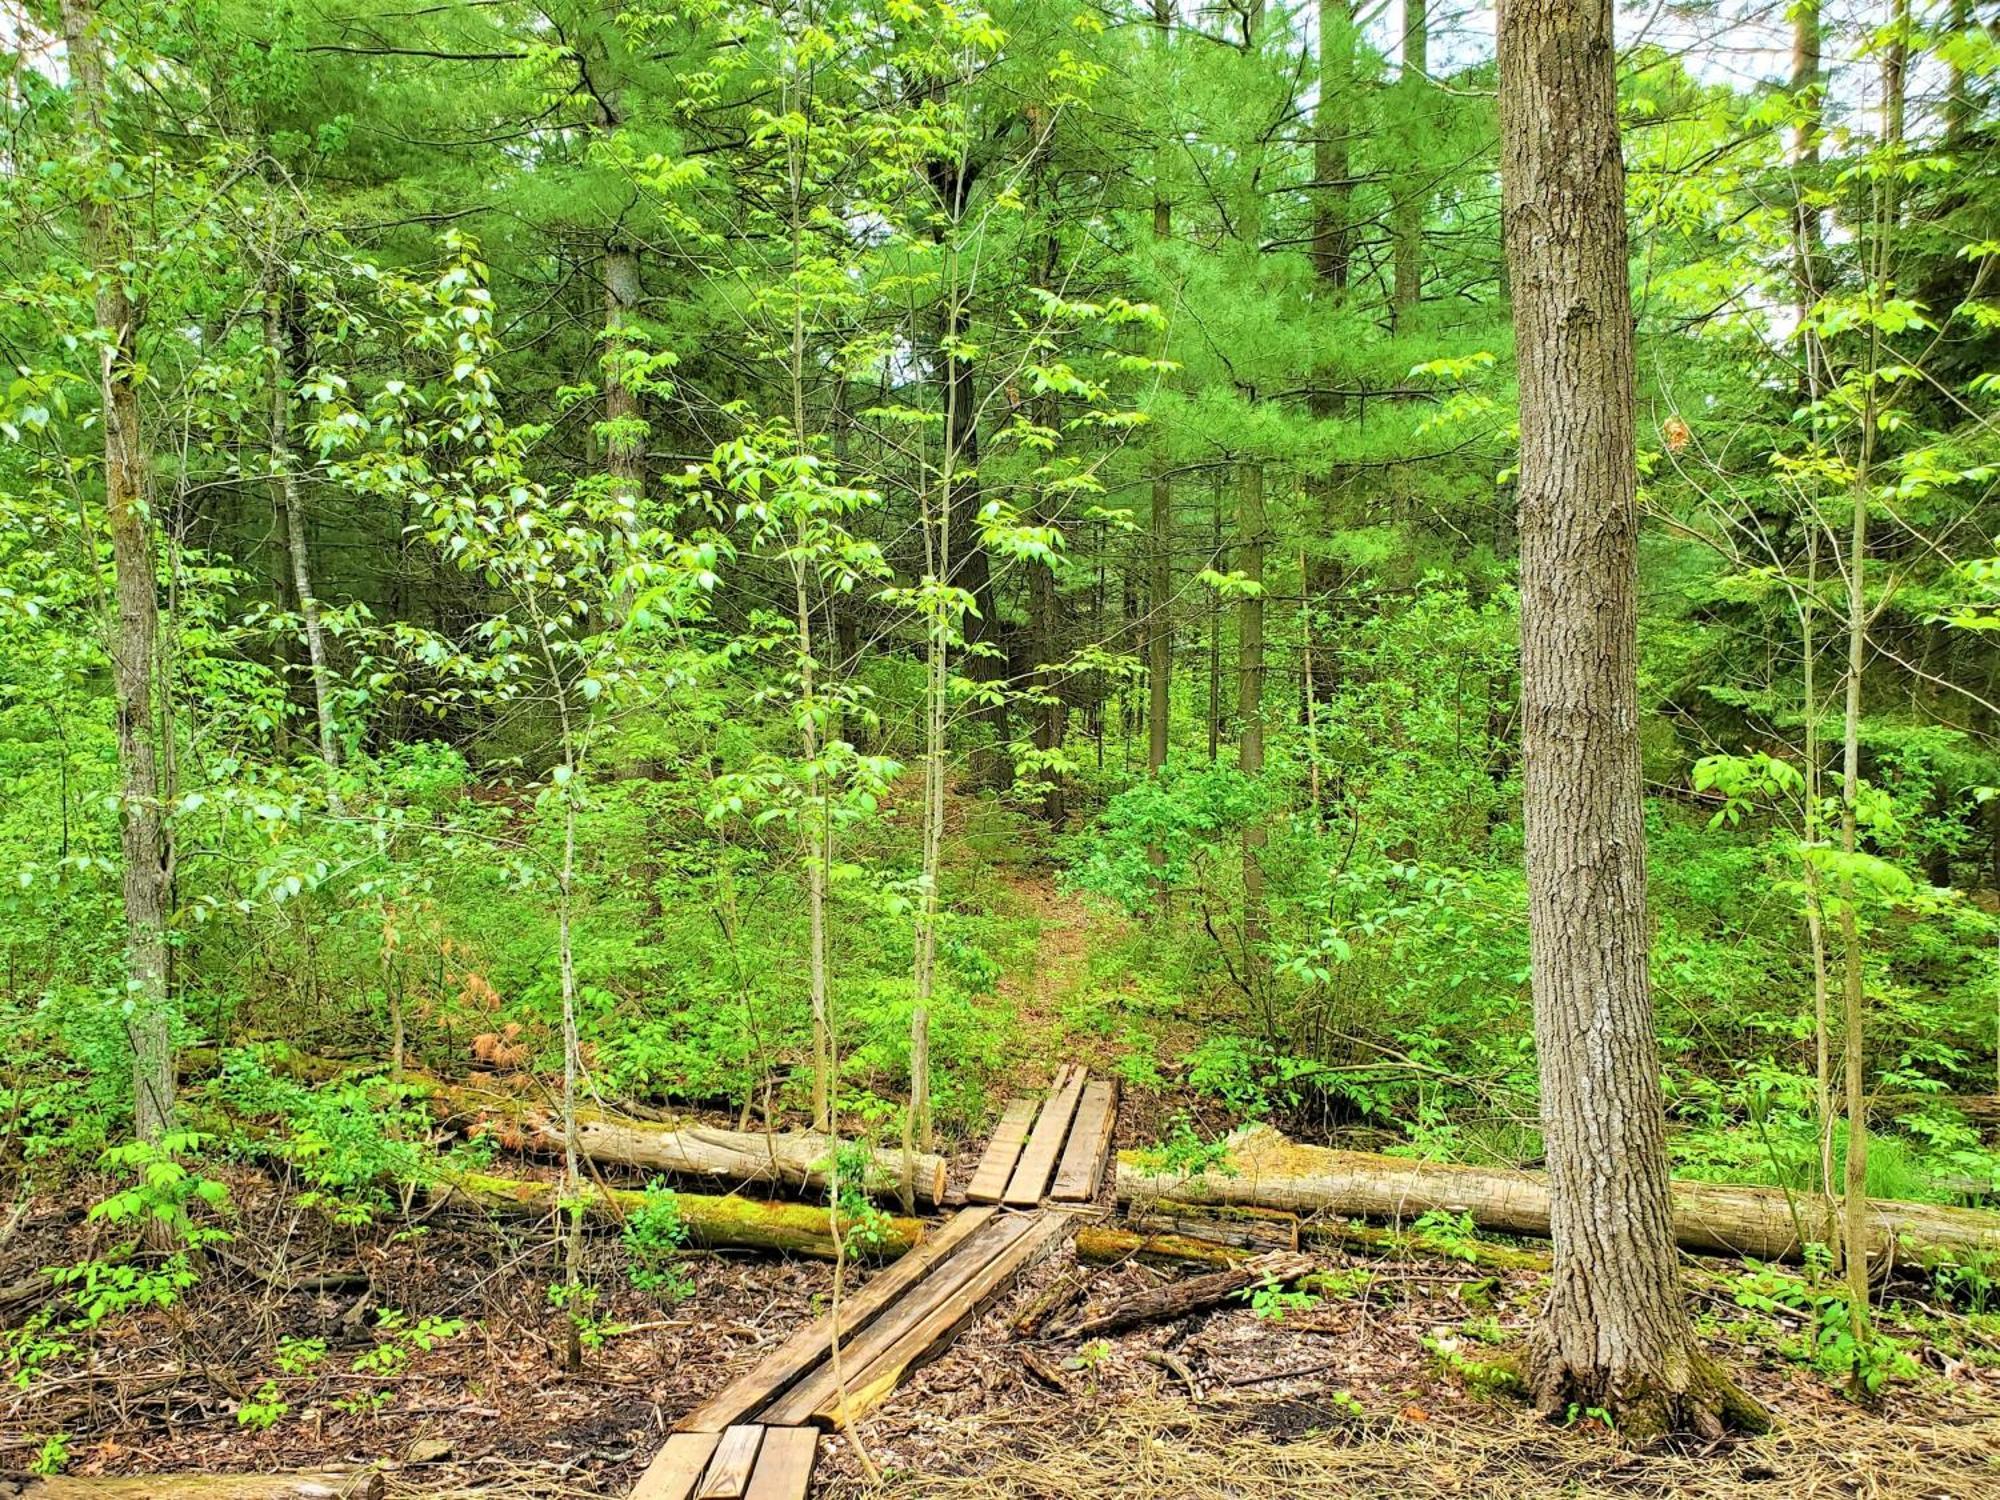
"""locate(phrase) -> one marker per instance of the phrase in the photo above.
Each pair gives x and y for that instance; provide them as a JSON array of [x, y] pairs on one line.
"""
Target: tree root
[[1693, 1395]]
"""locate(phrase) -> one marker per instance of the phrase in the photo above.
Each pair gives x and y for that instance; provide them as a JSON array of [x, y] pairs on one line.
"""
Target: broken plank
[[784, 1464], [1038, 1158], [728, 1474], [676, 1468], [1083, 1159], [797, 1406], [989, 1179], [880, 1377], [773, 1375]]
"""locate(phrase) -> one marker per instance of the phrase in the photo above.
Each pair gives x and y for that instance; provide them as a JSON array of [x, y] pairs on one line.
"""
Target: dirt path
[[1042, 994]]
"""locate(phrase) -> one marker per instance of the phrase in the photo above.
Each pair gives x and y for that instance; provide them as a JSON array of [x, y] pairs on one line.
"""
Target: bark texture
[[794, 1159], [1266, 1170], [145, 838], [713, 1222], [1615, 1331]]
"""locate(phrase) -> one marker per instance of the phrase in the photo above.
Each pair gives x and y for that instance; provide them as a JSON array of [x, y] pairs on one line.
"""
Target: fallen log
[[792, 1159], [1103, 1245], [1266, 1170], [1179, 1298], [1191, 1245], [329, 1484], [1226, 1223], [714, 1222]]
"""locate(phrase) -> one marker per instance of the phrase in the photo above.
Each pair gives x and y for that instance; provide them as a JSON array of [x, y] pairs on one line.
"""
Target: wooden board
[[1038, 1158], [1082, 1166], [728, 1474], [784, 1464], [771, 1376], [677, 1467], [882, 1374], [798, 1405], [989, 1179]]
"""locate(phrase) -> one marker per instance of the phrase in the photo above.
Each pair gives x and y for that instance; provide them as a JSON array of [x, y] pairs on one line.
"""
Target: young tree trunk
[[1805, 250], [290, 505], [625, 428], [1331, 259], [146, 839], [1159, 613], [1615, 1332], [1854, 1009], [1407, 212], [1251, 531]]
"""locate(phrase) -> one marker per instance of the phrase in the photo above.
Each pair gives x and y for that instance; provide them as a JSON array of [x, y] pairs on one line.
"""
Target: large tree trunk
[[146, 839], [1615, 1331], [1265, 1170], [792, 1159], [730, 1222]]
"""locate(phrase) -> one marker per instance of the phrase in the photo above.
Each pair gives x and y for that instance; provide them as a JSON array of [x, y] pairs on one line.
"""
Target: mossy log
[[1275, 1229], [713, 1222], [793, 1159], [331, 1484], [1265, 1169], [1105, 1244]]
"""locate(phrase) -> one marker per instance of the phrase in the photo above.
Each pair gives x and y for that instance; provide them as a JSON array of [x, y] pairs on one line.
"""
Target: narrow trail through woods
[[1041, 993]]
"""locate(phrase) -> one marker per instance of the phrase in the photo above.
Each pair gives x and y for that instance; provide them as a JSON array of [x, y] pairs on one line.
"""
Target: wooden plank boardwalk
[[757, 1437]]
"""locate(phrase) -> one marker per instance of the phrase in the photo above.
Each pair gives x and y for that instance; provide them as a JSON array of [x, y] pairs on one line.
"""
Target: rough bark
[[1266, 1170], [797, 1160], [1614, 1332], [1158, 1304], [727, 1222], [145, 837]]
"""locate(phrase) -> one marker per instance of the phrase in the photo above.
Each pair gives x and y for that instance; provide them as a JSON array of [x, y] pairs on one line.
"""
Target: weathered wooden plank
[[1038, 1158], [318, 1484], [1089, 1147], [784, 1464], [728, 1473], [768, 1379], [874, 1382], [798, 1404], [676, 1468], [989, 1179]]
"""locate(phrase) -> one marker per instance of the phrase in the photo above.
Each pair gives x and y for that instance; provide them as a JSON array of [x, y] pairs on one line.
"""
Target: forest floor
[[1357, 1395]]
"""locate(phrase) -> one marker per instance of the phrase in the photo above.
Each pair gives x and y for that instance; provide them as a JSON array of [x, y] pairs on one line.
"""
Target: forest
[[1192, 749]]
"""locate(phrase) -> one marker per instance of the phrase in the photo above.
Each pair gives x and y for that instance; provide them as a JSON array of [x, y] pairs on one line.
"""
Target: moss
[[1694, 1395]]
